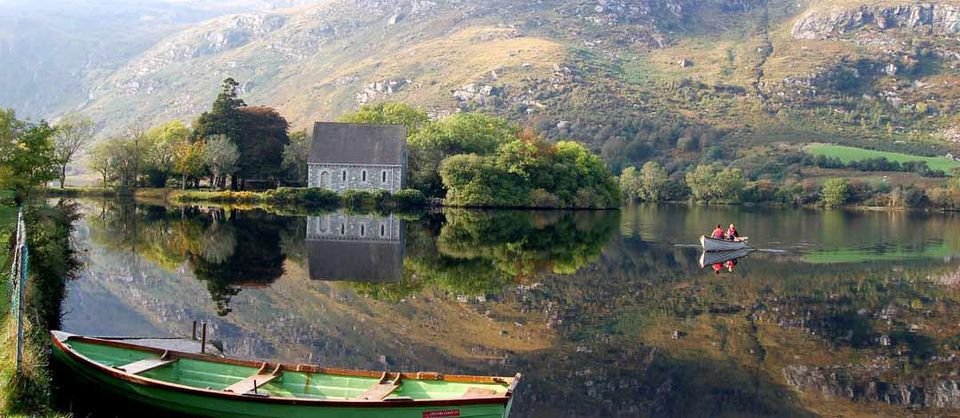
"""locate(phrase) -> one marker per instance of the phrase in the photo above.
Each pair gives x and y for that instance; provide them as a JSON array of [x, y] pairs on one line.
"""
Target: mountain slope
[[54, 52], [679, 79]]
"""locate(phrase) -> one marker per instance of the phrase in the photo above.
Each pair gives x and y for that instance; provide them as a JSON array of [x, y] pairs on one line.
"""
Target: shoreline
[[407, 199]]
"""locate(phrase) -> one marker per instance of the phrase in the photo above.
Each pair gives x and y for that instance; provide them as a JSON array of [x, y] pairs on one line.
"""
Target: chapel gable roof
[[358, 143]]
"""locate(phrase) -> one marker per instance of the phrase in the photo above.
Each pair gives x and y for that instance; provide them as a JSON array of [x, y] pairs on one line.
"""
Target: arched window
[[344, 175], [363, 230], [324, 179], [384, 176], [364, 175]]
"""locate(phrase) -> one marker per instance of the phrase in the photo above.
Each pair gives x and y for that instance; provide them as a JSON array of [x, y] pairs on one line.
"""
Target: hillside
[[678, 79], [55, 52]]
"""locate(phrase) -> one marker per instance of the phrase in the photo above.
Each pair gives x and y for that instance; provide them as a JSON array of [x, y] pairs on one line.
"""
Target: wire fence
[[18, 276]]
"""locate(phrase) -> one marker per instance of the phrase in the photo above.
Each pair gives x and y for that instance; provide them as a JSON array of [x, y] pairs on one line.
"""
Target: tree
[[472, 180], [10, 130], [220, 156], [28, 158], [224, 117], [700, 181], [390, 114], [159, 150], [101, 160], [295, 157], [188, 160], [530, 171], [262, 138], [709, 183], [630, 184], [73, 133], [653, 182], [259, 133], [462, 133], [836, 192]]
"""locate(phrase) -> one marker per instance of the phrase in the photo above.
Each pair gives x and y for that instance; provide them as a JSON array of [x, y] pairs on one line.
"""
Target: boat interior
[[276, 380]]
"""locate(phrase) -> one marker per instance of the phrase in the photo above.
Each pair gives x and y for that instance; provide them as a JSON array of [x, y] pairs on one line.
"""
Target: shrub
[[305, 196], [357, 199], [540, 198], [836, 192], [759, 191], [945, 198], [408, 198]]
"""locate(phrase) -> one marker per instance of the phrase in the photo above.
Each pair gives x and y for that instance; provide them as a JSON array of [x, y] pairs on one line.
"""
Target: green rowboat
[[205, 385]]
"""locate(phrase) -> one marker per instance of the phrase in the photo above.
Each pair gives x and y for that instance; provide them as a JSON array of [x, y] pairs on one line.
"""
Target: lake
[[605, 313]]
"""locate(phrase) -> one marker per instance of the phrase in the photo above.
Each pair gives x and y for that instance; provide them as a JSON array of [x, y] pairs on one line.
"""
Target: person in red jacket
[[731, 233], [717, 232]]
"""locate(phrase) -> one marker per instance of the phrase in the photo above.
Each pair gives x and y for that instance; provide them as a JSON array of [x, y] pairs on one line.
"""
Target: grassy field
[[847, 154]]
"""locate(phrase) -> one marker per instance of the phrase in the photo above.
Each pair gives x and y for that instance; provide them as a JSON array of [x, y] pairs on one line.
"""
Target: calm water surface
[[605, 313]]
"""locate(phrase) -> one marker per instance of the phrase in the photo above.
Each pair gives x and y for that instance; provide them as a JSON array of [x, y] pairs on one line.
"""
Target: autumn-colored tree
[[188, 160]]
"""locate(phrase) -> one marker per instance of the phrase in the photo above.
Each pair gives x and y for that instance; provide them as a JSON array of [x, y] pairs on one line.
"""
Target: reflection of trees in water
[[255, 260], [227, 250], [864, 333], [218, 242], [480, 252]]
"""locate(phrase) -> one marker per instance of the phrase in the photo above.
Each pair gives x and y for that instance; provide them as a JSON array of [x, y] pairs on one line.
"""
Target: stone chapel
[[350, 156]]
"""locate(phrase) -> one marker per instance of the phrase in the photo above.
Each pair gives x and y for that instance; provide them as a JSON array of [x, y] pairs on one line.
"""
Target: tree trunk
[[183, 182], [63, 175]]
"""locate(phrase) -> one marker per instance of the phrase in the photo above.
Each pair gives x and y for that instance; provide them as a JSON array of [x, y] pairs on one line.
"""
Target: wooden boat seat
[[381, 389], [252, 383], [141, 366], [479, 393]]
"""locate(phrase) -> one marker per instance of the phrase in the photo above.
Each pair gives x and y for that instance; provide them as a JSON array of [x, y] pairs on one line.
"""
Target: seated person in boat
[[717, 232], [731, 234]]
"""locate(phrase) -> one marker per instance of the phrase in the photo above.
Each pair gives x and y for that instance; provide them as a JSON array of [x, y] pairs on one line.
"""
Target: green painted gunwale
[[193, 385]]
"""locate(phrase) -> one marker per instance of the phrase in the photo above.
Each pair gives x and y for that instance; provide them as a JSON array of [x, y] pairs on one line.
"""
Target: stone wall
[[343, 177]]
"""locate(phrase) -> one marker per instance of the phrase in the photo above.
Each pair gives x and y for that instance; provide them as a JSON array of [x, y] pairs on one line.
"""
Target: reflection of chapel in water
[[365, 248]]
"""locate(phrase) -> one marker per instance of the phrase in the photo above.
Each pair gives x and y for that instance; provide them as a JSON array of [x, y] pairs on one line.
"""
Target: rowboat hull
[[710, 244], [176, 399]]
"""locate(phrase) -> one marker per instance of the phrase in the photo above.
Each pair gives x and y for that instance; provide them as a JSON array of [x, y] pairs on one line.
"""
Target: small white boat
[[711, 244], [712, 257]]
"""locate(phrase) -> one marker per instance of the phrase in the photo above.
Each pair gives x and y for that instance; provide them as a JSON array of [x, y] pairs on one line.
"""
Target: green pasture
[[847, 154]]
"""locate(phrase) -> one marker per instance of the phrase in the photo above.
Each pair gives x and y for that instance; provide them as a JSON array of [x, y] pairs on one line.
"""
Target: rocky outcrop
[[837, 382], [380, 89], [830, 23]]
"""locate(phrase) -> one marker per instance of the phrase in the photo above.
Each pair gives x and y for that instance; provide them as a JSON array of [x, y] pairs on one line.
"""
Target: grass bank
[[305, 197], [51, 264], [283, 196]]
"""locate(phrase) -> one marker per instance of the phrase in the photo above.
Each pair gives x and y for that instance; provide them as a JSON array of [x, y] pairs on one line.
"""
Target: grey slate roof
[[356, 261], [357, 143]]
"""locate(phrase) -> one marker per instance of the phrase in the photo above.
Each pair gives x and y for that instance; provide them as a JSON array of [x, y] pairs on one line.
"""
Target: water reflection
[[603, 312], [723, 260], [353, 247]]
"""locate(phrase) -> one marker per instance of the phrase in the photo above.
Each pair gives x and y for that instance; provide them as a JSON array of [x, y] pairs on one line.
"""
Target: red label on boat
[[441, 414]]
